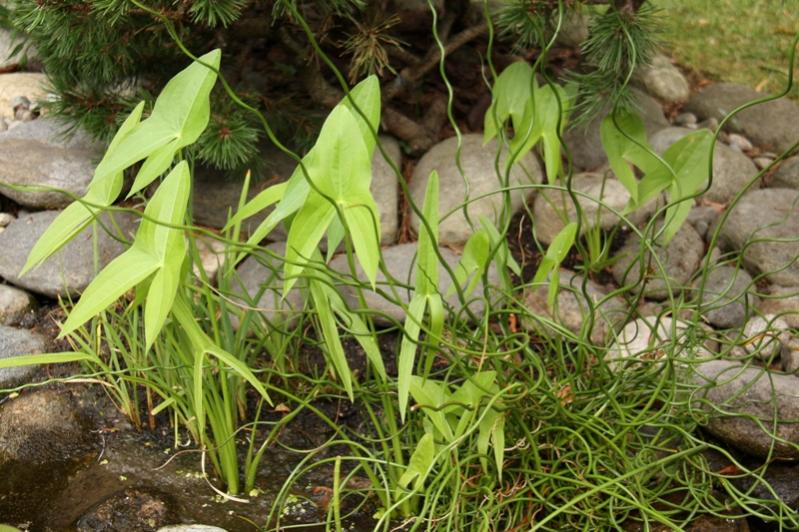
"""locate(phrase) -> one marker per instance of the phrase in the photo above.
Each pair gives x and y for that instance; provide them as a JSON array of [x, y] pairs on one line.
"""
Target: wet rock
[[14, 304], [35, 154], [680, 259], [663, 80], [134, 509], [571, 309], [12, 85], [259, 287], [765, 336], [216, 193], [70, 270], [787, 175], [585, 145], [385, 188], [738, 400], [784, 302], [727, 299], [388, 301], [770, 125], [732, 170], [599, 198], [477, 162], [43, 426], [649, 339], [15, 342], [762, 225]]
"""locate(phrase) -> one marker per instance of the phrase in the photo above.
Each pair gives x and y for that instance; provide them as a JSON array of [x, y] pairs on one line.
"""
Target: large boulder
[[475, 166], [763, 227], [770, 125], [35, 154], [70, 270]]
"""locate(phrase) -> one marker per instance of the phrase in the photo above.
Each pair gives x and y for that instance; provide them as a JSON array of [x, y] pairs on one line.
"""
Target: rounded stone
[[763, 227], [70, 270], [787, 175], [664, 81], [389, 300], [16, 342], [599, 197], [745, 404], [680, 258], [475, 167], [571, 309], [765, 336], [35, 154], [727, 299]]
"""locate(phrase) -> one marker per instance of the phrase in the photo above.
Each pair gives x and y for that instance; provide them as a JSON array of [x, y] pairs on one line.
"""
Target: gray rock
[[215, 192], [743, 404], [385, 188], [585, 145], [765, 336], [680, 259], [784, 302], [71, 269], [686, 119], [727, 299], [739, 142], [43, 426], [790, 356], [553, 209], [770, 125], [571, 308], [787, 175], [661, 139], [574, 29], [259, 287], [763, 162], [14, 304], [9, 42], [732, 170], [15, 342], [477, 162], [34, 155], [388, 301], [663, 80], [702, 218], [6, 219], [762, 225], [651, 339]]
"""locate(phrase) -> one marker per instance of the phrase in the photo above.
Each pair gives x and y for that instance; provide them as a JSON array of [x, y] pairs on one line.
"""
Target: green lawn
[[745, 41]]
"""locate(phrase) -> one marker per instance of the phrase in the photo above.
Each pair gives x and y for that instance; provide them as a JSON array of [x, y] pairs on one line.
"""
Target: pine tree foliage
[[103, 56]]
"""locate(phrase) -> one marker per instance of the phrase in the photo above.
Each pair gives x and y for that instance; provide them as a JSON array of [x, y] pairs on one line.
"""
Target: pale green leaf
[[420, 464], [366, 96], [156, 164], [407, 356], [335, 350], [427, 246], [627, 144], [306, 232], [121, 274], [363, 222], [45, 358], [430, 396], [511, 93], [261, 201]]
